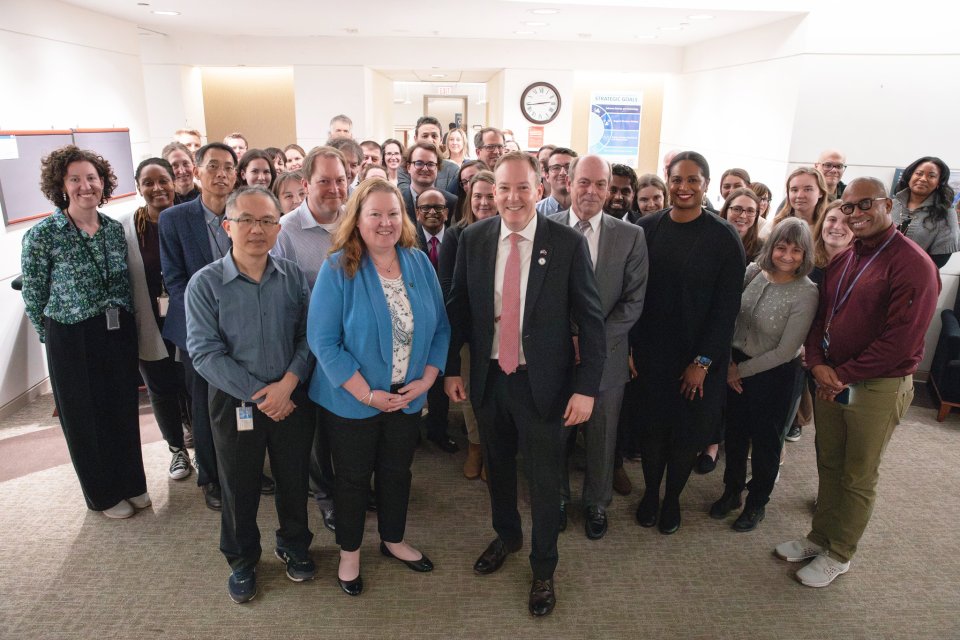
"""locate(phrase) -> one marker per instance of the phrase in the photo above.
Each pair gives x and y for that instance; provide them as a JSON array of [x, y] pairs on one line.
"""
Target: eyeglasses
[[738, 211], [557, 168], [864, 205], [434, 208], [247, 222], [832, 166], [216, 167], [420, 164], [491, 147]]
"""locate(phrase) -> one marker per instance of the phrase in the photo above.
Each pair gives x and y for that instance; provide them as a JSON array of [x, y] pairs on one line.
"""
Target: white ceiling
[[604, 21]]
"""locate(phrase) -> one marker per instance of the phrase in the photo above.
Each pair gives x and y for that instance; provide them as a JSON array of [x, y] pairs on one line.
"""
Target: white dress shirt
[[592, 233], [525, 247]]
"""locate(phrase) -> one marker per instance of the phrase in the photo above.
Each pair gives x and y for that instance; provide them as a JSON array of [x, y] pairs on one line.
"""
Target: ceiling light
[[438, 75], [537, 24], [544, 12], [166, 13], [701, 16], [525, 33]]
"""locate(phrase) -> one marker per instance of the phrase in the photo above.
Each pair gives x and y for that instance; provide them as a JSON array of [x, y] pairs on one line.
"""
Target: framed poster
[[615, 126]]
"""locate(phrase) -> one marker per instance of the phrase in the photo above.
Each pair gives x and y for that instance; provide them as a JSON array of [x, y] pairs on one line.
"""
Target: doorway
[[448, 110]]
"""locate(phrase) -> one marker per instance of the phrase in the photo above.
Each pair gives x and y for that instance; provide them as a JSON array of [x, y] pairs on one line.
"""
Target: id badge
[[244, 418], [113, 319], [163, 303]]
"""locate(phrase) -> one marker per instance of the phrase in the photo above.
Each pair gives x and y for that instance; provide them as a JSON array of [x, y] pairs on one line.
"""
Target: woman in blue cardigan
[[378, 328]]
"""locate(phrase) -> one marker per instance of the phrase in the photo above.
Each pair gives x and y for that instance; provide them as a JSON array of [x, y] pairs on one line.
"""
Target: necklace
[[389, 267]]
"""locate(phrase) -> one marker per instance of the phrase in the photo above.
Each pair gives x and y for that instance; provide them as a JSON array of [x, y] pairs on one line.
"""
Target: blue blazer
[[349, 329], [184, 250]]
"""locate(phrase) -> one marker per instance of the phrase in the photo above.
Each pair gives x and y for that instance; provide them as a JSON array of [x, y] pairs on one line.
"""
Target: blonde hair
[[820, 257], [788, 212], [348, 238]]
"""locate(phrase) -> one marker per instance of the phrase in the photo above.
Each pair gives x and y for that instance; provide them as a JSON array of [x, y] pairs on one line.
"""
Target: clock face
[[540, 102]]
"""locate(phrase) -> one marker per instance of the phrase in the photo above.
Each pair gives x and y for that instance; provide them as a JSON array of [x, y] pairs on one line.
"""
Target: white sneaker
[[141, 501], [822, 571], [180, 464], [122, 509], [798, 550]]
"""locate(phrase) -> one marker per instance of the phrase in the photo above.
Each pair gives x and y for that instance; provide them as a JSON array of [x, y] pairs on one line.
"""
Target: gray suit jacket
[[621, 272]]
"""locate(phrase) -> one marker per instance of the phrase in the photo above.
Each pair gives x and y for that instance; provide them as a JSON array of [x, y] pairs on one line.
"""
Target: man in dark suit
[[431, 217], [619, 256], [519, 280], [422, 161]]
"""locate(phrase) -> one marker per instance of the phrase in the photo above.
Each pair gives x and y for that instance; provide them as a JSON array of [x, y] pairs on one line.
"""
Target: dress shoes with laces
[[212, 497], [543, 598], [493, 556], [423, 565], [749, 519], [595, 522]]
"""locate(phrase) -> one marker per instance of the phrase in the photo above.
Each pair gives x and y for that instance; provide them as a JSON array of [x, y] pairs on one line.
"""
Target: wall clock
[[540, 102]]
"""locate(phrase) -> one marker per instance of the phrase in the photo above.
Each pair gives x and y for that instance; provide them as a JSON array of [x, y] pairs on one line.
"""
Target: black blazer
[[561, 286], [422, 244], [448, 258], [409, 204]]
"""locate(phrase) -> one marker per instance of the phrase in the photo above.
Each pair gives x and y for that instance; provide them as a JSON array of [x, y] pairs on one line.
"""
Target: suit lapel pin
[[543, 257]]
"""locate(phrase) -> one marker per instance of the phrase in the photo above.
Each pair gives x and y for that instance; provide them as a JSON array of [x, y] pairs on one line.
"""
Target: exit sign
[[445, 91]]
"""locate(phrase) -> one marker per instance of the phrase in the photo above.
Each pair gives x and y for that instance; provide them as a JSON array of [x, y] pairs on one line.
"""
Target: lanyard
[[104, 278], [838, 300]]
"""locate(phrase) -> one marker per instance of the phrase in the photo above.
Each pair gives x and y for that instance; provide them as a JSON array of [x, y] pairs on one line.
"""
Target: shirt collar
[[307, 221], [428, 235], [573, 220], [208, 215], [527, 233], [231, 272]]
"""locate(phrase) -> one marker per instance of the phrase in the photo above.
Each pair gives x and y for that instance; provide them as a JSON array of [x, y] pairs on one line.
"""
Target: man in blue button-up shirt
[[246, 332]]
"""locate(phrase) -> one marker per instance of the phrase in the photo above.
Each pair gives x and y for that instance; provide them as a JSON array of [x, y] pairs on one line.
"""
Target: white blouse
[[401, 317]]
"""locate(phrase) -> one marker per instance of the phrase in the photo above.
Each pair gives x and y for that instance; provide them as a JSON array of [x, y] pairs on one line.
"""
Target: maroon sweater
[[879, 331]]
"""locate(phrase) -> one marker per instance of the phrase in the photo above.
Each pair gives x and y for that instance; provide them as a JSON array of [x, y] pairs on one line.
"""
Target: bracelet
[[369, 398]]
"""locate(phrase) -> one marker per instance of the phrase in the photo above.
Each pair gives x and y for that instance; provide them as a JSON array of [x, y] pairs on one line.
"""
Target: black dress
[[691, 306]]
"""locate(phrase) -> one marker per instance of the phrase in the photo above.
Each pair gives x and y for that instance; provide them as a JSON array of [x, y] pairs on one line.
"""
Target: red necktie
[[434, 253], [509, 348]]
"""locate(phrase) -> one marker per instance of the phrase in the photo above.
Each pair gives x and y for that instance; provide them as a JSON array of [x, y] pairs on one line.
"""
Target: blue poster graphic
[[615, 126]]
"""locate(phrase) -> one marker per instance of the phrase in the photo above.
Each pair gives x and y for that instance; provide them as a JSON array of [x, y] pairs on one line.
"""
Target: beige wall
[[259, 102]]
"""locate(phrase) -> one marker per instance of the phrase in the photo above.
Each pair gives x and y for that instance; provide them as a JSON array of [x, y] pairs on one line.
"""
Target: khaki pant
[[850, 443]]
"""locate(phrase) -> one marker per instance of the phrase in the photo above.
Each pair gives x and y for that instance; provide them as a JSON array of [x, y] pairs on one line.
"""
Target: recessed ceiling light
[[701, 16], [143, 4], [537, 24], [544, 12], [166, 13], [525, 33], [669, 28], [438, 75]]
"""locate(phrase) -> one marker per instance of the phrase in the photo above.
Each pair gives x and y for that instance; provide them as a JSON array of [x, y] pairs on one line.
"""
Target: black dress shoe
[[329, 515], [542, 597], [444, 443], [706, 464], [729, 501], [212, 496], [647, 510], [422, 565], [563, 516], [267, 486], [670, 516], [595, 522], [351, 587], [493, 556], [749, 519]]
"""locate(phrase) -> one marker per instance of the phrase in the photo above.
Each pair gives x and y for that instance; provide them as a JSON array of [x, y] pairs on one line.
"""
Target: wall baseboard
[[25, 398]]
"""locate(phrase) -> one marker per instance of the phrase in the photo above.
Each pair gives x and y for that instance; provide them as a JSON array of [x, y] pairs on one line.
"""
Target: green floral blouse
[[64, 281]]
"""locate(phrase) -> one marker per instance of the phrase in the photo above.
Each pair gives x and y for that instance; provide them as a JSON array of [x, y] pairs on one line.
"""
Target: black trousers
[[629, 428], [665, 446], [509, 423], [322, 478], [759, 416], [439, 405], [93, 372], [240, 455], [166, 388], [203, 441], [383, 444]]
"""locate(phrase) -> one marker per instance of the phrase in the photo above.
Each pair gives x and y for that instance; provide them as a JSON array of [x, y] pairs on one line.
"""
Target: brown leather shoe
[[542, 597], [483, 473], [474, 463], [621, 482]]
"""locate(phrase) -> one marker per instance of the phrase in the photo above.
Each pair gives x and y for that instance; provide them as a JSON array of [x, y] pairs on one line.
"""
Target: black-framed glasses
[[491, 147], [738, 211], [832, 166], [420, 164], [431, 208], [248, 222], [864, 205], [557, 168]]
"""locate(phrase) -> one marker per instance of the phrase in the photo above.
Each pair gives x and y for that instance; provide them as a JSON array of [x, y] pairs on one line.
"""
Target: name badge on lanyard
[[113, 319], [244, 417]]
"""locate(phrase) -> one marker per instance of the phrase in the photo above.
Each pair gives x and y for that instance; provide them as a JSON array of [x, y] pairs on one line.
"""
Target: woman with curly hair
[[76, 290], [922, 208]]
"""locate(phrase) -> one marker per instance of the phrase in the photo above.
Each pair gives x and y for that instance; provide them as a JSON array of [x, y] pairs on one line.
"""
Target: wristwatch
[[703, 362]]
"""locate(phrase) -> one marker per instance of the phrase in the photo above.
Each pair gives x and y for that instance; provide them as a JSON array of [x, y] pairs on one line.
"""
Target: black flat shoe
[[647, 510], [749, 519], [729, 501], [542, 597], [670, 517], [492, 557], [351, 587], [706, 464], [422, 565]]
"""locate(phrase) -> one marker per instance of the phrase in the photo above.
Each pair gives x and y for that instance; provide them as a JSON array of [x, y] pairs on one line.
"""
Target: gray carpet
[[71, 573]]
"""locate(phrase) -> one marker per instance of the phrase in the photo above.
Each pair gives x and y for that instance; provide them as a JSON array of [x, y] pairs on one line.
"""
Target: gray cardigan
[[773, 321], [149, 340]]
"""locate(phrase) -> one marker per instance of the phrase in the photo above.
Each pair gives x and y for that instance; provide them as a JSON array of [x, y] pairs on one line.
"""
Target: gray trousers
[[600, 439]]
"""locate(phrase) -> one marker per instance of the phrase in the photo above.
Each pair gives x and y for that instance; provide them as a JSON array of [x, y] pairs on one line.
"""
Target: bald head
[[875, 186], [831, 164]]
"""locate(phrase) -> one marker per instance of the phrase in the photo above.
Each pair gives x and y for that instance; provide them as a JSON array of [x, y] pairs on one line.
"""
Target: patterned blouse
[[64, 281], [401, 316]]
